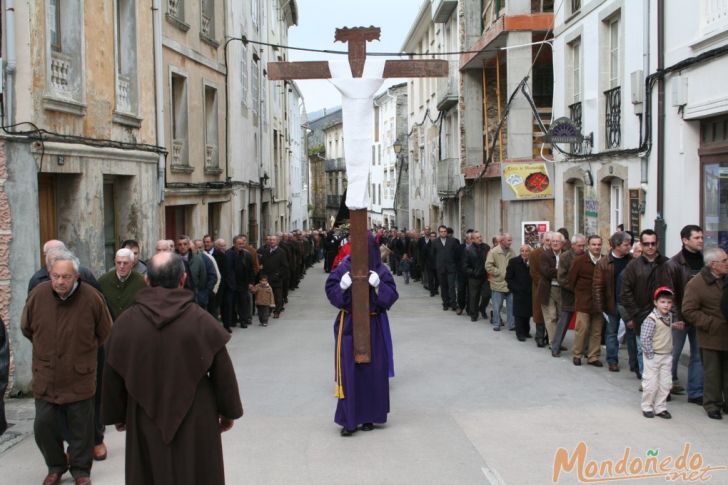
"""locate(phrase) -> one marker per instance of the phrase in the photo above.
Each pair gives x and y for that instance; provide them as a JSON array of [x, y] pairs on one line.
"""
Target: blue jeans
[[635, 356], [610, 339], [497, 300], [695, 366]]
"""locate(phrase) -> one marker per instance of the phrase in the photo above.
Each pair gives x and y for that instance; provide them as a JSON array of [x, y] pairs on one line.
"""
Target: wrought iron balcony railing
[[613, 119]]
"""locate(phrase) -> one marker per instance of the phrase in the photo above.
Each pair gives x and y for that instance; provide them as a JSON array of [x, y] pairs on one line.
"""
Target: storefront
[[714, 184]]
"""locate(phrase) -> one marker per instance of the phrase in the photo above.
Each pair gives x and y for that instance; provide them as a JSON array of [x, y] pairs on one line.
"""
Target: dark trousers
[[394, 260], [462, 283], [284, 295], [215, 302], [475, 291], [78, 419], [99, 427], [630, 337], [447, 287], [263, 313], [715, 379], [238, 306], [433, 282], [278, 297], [523, 326]]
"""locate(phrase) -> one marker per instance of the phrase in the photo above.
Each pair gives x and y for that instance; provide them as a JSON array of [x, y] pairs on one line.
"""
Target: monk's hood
[[162, 306]]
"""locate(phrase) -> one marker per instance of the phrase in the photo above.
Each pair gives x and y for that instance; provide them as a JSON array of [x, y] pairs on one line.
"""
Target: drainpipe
[[645, 69], [159, 91], [660, 225], [11, 60]]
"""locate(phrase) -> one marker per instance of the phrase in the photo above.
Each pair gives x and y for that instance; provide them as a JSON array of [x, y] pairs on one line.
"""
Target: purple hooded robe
[[365, 386]]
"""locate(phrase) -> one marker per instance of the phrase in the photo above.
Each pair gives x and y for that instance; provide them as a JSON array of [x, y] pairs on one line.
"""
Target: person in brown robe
[[169, 382]]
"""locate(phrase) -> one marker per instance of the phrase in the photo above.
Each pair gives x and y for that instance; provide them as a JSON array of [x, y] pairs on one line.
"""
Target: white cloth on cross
[[357, 111]]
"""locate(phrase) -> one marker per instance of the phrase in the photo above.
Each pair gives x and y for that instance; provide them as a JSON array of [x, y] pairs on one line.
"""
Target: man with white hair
[[701, 307], [67, 321], [121, 283], [42, 274], [549, 290]]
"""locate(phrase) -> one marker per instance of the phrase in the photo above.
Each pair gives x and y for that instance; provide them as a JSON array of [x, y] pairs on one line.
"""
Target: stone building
[[299, 218], [317, 165], [79, 70], [389, 185], [197, 199], [334, 169]]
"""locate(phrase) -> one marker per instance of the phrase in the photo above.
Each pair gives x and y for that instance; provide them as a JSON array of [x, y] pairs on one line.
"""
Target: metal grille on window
[[612, 125], [575, 115]]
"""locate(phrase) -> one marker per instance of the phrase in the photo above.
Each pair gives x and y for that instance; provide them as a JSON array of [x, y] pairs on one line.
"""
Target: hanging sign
[[527, 181]]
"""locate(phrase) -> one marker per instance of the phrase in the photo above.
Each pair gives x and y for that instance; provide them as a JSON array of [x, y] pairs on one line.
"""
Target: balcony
[[544, 114], [333, 201], [449, 179], [61, 74], [494, 9], [448, 88], [613, 117], [123, 99], [575, 115], [335, 165], [443, 9], [210, 156]]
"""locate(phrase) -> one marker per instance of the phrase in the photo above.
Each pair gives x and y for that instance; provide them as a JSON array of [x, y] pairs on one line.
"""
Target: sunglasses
[[649, 244]]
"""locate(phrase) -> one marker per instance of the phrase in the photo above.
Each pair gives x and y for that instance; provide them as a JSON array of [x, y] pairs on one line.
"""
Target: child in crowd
[[656, 339], [405, 266], [264, 300]]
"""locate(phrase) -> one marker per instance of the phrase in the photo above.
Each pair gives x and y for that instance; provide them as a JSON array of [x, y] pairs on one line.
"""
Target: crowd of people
[[623, 291], [70, 315]]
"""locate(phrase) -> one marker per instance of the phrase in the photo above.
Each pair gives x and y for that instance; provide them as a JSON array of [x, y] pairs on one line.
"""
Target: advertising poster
[[527, 181], [532, 231]]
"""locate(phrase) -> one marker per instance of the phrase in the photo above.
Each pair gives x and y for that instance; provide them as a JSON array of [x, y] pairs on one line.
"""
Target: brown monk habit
[[168, 377]]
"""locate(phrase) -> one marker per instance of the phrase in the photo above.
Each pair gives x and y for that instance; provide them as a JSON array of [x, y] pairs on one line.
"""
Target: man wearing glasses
[[641, 277]]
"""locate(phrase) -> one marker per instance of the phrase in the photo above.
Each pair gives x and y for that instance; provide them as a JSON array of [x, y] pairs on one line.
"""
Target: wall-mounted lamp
[[588, 179], [264, 179]]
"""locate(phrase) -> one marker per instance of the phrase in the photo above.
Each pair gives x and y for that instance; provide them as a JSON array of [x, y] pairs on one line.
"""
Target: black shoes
[[496, 329], [696, 400], [521, 339], [347, 432], [596, 363], [714, 415], [577, 361], [540, 342], [473, 319], [648, 414], [664, 415], [367, 426]]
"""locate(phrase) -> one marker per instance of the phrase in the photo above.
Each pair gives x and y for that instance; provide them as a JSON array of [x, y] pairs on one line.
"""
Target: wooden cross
[[357, 38]]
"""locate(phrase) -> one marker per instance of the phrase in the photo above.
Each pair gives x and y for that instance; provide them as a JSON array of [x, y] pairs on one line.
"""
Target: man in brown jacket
[[534, 268], [578, 242], [606, 288], [701, 307], [588, 320], [549, 293], [66, 320]]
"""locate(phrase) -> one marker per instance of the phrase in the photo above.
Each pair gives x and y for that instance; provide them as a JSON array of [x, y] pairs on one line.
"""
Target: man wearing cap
[[701, 307]]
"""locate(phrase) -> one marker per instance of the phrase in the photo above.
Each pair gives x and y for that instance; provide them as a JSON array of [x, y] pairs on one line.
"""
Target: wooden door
[[46, 210]]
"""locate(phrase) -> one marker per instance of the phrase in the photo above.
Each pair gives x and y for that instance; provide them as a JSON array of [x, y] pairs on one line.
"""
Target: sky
[[319, 19]]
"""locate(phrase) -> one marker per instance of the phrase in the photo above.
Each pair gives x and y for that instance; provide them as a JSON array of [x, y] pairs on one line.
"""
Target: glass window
[[614, 53], [54, 23], [715, 203]]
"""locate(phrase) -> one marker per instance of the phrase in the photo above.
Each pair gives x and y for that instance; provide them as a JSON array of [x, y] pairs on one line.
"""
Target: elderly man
[[239, 279], [578, 242], [121, 284], [274, 263], [42, 274], [163, 246], [67, 321], [606, 290], [518, 279], [589, 322], [474, 269], [172, 406], [549, 291], [213, 274], [534, 265], [701, 307], [496, 264]]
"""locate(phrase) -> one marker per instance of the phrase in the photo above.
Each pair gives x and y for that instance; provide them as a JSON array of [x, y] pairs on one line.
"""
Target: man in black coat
[[460, 276], [274, 263], [474, 270], [239, 278], [444, 252], [518, 277]]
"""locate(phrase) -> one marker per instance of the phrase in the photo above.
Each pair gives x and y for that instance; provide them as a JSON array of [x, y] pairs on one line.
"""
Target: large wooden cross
[[357, 38]]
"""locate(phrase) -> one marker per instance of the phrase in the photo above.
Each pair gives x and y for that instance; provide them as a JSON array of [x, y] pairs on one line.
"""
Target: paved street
[[469, 406]]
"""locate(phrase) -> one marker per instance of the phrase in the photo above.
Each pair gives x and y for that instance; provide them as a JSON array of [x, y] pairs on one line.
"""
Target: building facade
[[299, 218], [318, 176], [334, 169], [76, 70]]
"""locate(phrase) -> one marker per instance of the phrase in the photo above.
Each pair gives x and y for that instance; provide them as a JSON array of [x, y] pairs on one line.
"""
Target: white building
[[695, 137], [389, 185], [599, 53], [299, 159]]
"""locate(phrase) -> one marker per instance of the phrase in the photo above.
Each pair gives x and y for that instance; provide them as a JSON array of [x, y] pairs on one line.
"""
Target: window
[[207, 19], [64, 65], [211, 130], [616, 214], [579, 221], [575, 6], [614, 53], [179, 119], [254, 85], [613, 94], [126, 59], [244, 74], [576, 71], [54, 24]]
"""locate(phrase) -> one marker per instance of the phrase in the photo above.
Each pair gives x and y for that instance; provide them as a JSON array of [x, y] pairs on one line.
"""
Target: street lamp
[[397, 147]]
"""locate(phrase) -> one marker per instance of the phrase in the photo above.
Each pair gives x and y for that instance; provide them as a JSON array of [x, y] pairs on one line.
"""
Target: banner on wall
[[527, 181], [531, 232]]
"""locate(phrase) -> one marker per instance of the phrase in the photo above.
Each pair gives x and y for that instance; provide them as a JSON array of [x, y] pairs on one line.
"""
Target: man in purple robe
[[362, 389]]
